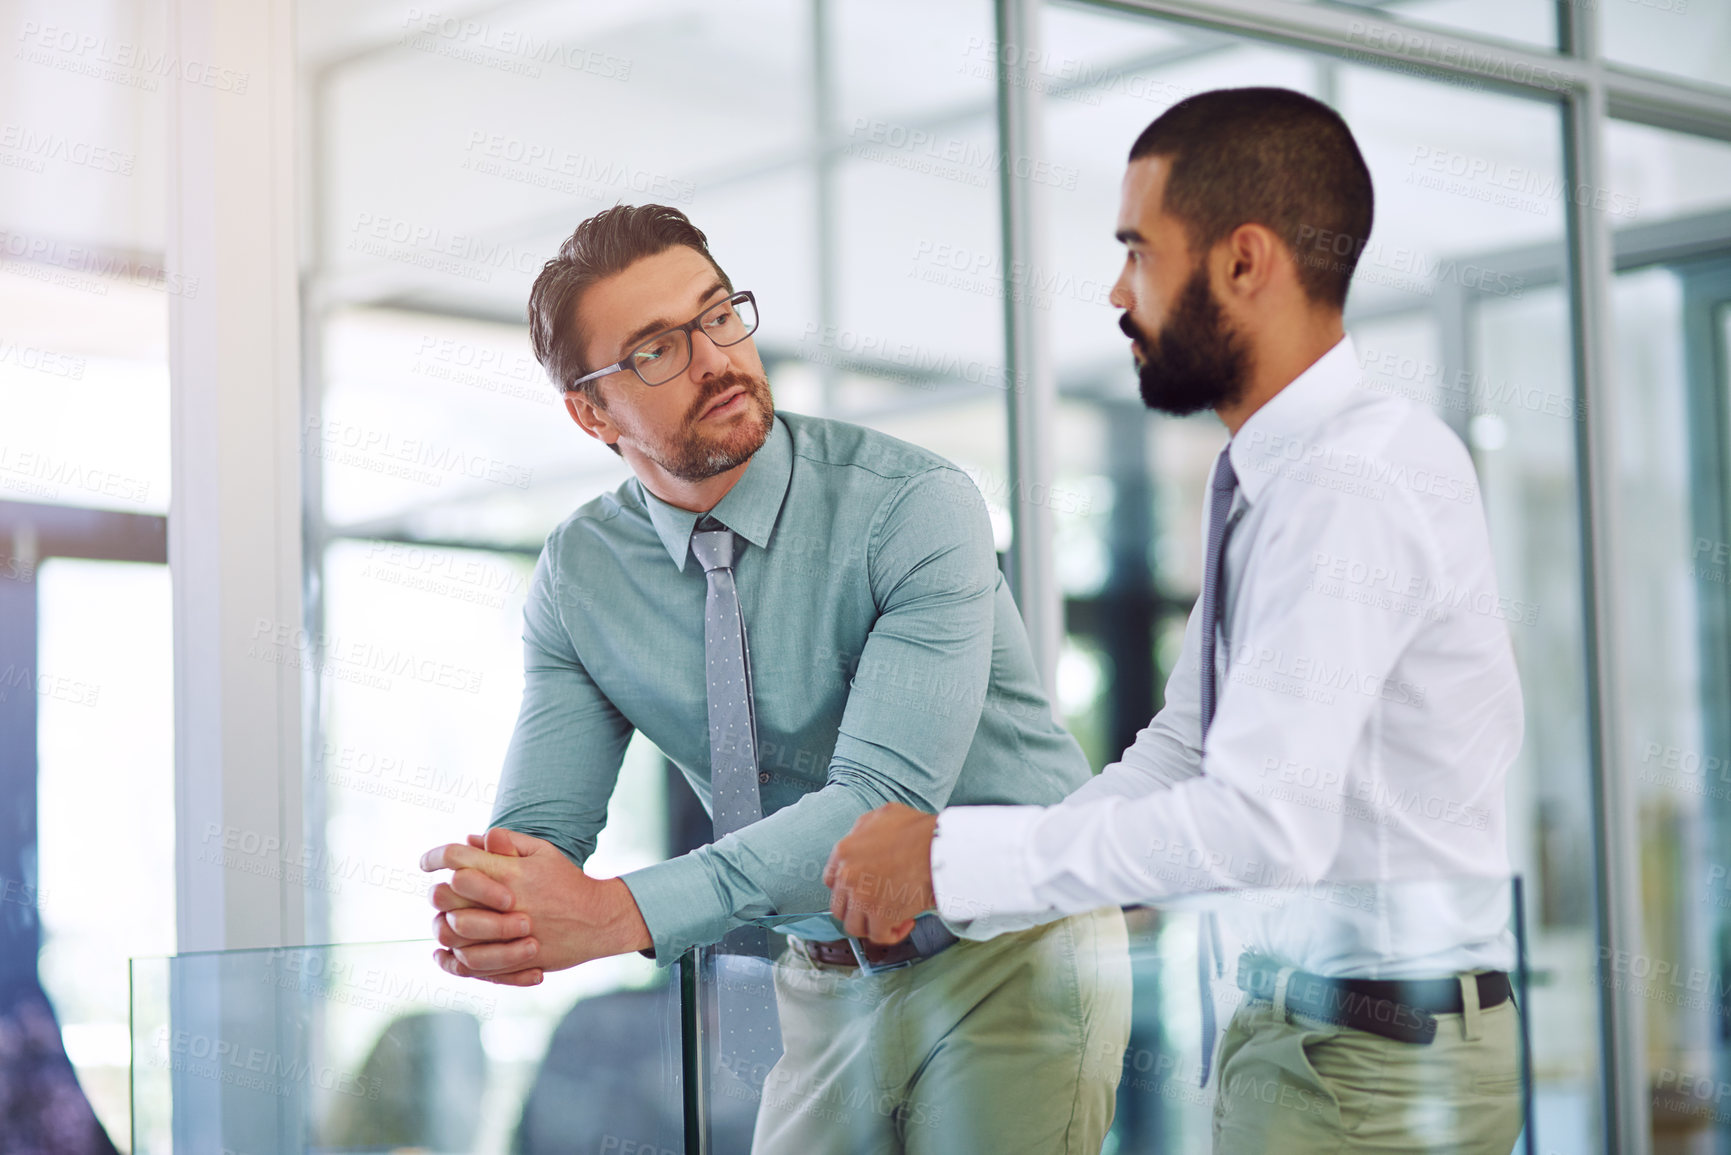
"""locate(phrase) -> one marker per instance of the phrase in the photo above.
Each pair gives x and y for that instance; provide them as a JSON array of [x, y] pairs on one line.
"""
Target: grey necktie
[[1208, 951], [750, 1027], [734, 799], [1219, 506]]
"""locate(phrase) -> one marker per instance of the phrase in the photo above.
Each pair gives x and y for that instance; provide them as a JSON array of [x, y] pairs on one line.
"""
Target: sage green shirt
[[889, 664]]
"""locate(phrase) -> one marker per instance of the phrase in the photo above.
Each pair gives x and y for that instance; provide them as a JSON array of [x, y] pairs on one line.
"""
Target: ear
[[591, 417], [1248, 260]]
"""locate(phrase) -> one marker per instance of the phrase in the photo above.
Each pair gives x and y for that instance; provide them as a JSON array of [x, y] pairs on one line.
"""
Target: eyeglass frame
[[688, 328]]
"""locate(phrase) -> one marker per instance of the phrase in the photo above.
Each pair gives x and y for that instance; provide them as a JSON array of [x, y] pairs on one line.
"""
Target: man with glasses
[[807, 617]]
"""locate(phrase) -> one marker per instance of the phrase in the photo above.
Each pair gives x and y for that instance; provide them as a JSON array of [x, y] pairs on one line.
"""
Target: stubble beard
[[697, 454]]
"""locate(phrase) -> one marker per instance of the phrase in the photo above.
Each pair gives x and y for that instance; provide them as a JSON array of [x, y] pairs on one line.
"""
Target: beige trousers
[[1010, 1045], [1293, 1084]]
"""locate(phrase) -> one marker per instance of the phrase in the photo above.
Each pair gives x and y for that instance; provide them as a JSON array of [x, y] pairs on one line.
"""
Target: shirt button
[[763, 777]]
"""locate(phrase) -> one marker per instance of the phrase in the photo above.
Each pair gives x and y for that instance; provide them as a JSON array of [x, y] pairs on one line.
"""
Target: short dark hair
[[605, 244], [1273, 157]]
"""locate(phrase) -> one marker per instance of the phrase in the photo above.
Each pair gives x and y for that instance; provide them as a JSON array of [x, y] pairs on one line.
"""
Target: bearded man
[[1344, 710]]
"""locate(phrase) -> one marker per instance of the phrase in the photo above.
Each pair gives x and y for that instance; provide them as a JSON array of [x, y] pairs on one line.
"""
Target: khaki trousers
[[1294, 1084], [1014, 1044]]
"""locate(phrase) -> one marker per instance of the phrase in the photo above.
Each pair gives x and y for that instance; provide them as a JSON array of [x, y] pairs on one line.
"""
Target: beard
[[1196, 361], [694, 453]]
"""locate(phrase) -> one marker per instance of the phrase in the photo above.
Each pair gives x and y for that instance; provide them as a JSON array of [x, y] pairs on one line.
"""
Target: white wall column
[[234, 527], [234, 552]]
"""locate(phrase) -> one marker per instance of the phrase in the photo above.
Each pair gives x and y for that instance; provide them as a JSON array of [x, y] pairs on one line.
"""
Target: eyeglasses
[[665, 356]]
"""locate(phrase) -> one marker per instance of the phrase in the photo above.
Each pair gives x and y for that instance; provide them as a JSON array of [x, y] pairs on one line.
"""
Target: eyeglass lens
[[665, 355]]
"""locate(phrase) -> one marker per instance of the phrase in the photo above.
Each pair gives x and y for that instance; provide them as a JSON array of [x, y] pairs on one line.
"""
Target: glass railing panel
[[1099, 1018], [1105, 1013], [373, 1048]]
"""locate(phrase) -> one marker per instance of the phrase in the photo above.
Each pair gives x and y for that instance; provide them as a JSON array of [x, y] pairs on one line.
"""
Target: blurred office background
[[1550, 271]]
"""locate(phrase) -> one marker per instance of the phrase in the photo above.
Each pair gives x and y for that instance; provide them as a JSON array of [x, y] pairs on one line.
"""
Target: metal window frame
[[1588, 92], [1033, 395], [1626, 1107]]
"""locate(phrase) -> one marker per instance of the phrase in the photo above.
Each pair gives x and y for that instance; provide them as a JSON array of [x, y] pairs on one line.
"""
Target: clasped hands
[[515, 907]]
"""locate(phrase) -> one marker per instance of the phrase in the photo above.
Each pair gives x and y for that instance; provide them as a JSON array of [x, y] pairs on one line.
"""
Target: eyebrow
[[660, 323], [1130, 236]]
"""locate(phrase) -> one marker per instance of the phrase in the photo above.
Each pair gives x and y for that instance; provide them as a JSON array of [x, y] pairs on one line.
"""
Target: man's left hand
[[881, 873]]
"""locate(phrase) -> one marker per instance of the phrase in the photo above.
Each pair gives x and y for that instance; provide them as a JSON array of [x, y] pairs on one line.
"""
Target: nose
[[1120, 296], [707, 358]]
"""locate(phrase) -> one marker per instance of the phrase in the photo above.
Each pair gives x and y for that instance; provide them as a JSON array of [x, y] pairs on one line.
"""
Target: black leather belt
[[1400, 1009], [929, 937]]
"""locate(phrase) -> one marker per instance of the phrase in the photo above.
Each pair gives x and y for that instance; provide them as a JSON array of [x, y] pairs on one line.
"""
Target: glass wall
[[844, 159], [87, 819], [1671, 295], [1684, 38], [106, 798], [1527, 23]]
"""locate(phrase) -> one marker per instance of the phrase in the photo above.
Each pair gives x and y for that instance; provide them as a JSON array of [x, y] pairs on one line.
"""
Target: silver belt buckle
[[867, 967]]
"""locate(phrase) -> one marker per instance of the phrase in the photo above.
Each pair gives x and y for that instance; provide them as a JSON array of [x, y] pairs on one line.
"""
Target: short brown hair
[[603, 245], [1273, 157]]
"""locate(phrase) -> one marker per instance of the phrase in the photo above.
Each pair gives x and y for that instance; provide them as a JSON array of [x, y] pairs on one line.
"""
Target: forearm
[[1159, 760], [1001, 868], [774, 866]]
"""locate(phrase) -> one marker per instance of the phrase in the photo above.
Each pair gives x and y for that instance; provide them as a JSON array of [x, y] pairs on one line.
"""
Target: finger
[[875, 924], [497, 957], [482, 889], [478, 841], [833, 866], [523, 844], [523, 978], [453, 856], [528, 977], [891, 933], [480, 925], [444, 935], [838, 899], [449, 964], [444, 898], [853, 920], [498, 841]]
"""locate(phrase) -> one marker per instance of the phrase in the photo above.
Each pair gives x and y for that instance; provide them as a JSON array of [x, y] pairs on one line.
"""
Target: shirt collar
[[1289, 419], [749, 509]]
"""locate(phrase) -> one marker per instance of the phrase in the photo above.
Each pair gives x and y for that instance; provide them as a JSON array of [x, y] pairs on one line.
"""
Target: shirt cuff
[[980, 869], [671, 897]]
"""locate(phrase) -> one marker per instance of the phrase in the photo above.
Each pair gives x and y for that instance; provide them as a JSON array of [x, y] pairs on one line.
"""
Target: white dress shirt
[[1368, 710]]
